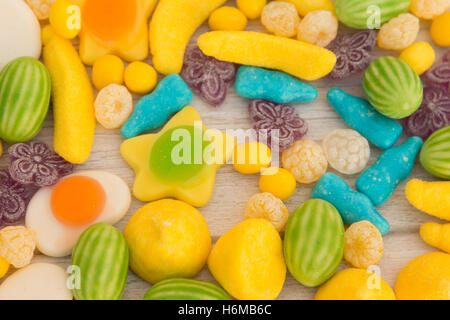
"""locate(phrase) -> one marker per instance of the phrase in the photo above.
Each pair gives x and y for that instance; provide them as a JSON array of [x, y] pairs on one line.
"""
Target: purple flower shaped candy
[[438, 75]]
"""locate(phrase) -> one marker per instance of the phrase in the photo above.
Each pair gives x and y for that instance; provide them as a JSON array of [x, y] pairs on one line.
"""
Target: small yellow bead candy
[[4, 266], [420, 56], [277, 181], [107, 69], [251, 8], [140, 77], [65, 18], [251, 157], [227, 18], [440, 30]]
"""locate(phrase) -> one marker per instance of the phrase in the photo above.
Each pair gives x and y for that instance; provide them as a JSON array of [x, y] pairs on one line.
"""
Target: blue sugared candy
[[152, 111], [275, 86], [380, 130], [353, 206], [394, 165]]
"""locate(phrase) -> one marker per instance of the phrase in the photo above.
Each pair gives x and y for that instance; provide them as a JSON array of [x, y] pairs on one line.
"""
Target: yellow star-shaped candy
[[114, 27], [180, 161]]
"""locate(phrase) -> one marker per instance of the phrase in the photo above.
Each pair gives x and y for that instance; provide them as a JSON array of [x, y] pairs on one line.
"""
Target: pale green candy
[[435, 154]]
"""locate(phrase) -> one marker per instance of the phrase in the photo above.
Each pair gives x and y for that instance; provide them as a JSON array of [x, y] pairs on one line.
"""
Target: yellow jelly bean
[[436, 235], [298, 58], [107, 69], [251, 8], [65, 18], [140, 77], [251, 157], [277, 181], [420, 56], [440, 30], [306, 6], [4, 266], [430, 197], [227, 18]]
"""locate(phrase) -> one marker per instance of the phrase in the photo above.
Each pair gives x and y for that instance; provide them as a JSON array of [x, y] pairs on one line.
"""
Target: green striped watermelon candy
[[24, 99], [393, 87], [435, 153], [369, 14], [101, 254], [185, 289], [314, 242]]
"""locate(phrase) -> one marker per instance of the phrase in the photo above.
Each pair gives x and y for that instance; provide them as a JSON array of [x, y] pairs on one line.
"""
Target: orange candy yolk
[[77, 201], [109, 20]]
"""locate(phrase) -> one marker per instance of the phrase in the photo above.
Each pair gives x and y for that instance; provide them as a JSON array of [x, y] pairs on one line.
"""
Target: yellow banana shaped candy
[[436, 235]]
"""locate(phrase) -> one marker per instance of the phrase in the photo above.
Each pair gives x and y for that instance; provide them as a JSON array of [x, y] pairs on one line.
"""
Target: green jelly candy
[[24, 99], [435, 153], [369, 14], [101, 257], [185, 289], [392, 87], [178, 154], [314, 242]]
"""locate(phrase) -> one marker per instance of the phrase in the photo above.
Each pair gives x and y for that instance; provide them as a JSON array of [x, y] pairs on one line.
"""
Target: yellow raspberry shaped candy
[[227, 18], [420, 56], [140, 77], [439, 30], [280, 18], [167, 239], [277, 181], [436, 235], [17, 245], [267, 206], [318, 27], [399, 32], [251, 157], [107, 69], [65, 18]]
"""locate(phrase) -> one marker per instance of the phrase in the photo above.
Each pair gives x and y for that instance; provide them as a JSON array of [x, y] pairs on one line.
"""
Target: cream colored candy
[[399, 33], [280, 18], [113, 106], [318, 27], [17, 245], [347, 151], [429, 9], [267, 206]]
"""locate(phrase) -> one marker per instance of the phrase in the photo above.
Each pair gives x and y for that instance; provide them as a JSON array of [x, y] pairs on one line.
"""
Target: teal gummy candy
[[353, 206], [358, 113], [394, 165], [275, 86], [151, 111]]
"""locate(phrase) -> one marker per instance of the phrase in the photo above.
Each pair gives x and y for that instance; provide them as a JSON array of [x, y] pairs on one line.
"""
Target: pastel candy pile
[[279, 87], [382, 131], [353, 206], [151, 111], [393, 166]]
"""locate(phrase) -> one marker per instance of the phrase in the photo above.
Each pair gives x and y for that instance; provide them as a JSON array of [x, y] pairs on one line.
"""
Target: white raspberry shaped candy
[[347, 151]]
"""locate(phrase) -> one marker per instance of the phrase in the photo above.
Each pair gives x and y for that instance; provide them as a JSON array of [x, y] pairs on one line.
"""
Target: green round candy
[[435, 153], [177, 155], [392, 87]]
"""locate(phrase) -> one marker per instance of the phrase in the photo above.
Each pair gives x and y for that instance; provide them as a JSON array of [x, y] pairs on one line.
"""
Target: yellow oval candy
[[65, 18], [227, 18], [251, 157], [251, 8], [107, 69], [420, 56], [140, 77], [278, 181]]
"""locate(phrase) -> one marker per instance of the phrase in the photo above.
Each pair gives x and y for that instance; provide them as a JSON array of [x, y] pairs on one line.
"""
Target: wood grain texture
[[232, 189]]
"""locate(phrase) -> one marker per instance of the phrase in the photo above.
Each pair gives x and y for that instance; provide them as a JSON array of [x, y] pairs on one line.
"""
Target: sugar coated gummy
[[353, 206], [436, 235], [36, 164], [258, 83], [438, 75], [207, 76], [266, 206], [439, 30], [430, 197], [428, 9], [306, 160], [113, 106], [363, 245], [280, 18], [399, 32], [318, 27], [347, 151], [433, 114], [420, 56], [268, 116], [17, 245], [361, 116], [151, 111], [353, 53], [41, 8]]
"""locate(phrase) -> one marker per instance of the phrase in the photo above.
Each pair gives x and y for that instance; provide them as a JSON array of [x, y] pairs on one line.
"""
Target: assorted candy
[[399, 33], [420, 56], [267, 206], [318, 27], [251, 8], [4, 267], [113, 106], [140, 77], [65, 18], [306, 6], [227, 18], [434, 156], [277, 181], [41, 8], [252, 157], [439, 30], [107, 69], [17, 245], [280, 18], [436, 235], [438, 75], [427, 9], [429, 197]]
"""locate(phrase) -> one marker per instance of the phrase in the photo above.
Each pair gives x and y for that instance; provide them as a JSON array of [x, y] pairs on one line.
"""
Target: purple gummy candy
[[438, 76], [207, 76], [353, 53], [433, 114], [14, 198], [267, 116], [35, 163]]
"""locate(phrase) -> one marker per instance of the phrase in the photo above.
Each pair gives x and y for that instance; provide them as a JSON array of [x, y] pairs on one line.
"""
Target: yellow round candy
[[4, 266], [65, 18], [426, 277], [251, 157], [107, 69], [227, 18], [277, 181], [167, 239], [355, 284], [251, 8], [420, 56], [440, 30], [140, 77]]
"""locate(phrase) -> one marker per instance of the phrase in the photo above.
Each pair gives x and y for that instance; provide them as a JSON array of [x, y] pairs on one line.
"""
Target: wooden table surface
[[232, 189]]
